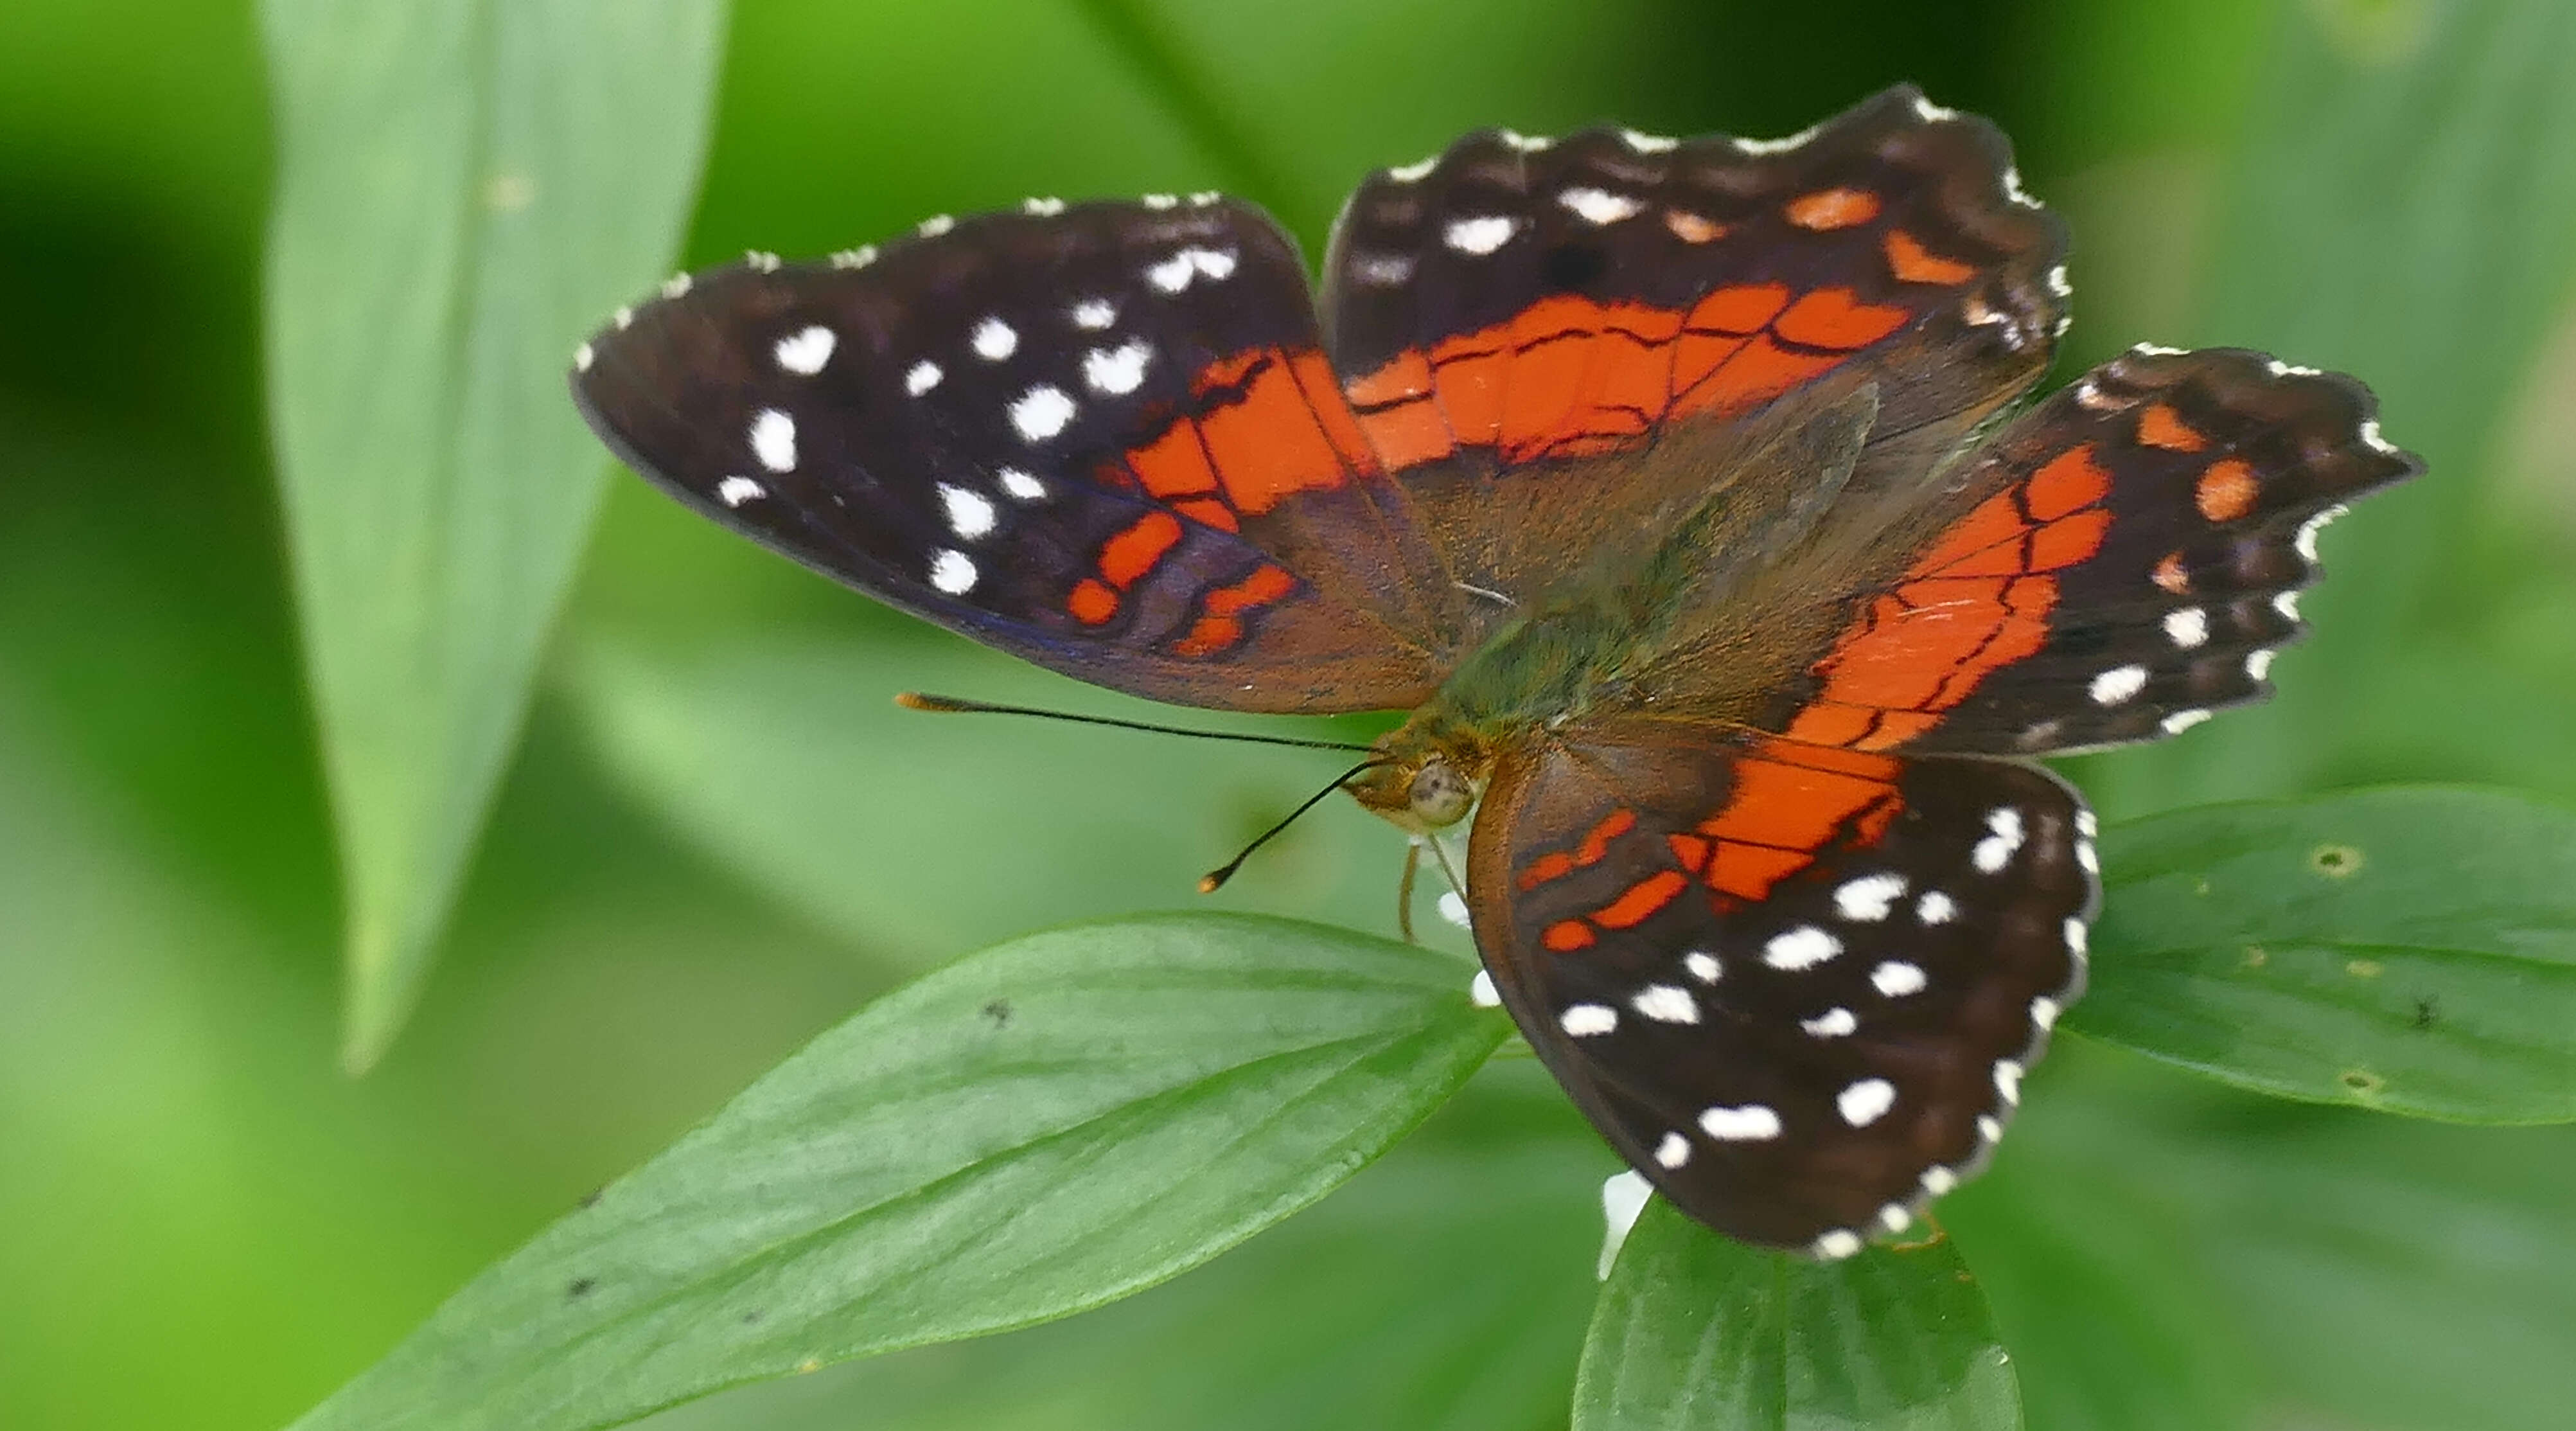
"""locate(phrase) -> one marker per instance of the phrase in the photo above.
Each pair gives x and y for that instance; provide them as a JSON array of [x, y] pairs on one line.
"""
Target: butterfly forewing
[[1797, 987], [1515, 306], [1068, 433]]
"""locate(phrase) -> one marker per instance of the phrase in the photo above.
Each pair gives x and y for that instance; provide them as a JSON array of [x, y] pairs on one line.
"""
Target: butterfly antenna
[[923, 701], [1215, 879]]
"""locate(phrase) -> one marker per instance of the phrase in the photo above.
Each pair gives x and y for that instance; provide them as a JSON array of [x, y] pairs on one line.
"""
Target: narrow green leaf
[[1037, 1129], [1698, 1333], [464, 188], [2411, 950]]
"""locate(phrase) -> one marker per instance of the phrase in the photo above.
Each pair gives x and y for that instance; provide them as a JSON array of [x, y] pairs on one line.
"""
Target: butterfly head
[[1431, 778]]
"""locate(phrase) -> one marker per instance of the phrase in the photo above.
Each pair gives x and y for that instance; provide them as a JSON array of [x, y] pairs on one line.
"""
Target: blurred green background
[[718, 838]]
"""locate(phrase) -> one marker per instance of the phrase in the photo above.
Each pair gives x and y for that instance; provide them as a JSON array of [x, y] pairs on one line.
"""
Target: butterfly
[[1683, 491]]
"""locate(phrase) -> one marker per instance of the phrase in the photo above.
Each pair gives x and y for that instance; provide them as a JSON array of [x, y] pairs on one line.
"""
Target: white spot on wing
[[773, 439], [1160, 201], [1648, 143], [2287, 603], [1935, 908], [859, 257], [995, 340], [760, 260], [1587, 1020], [1865, 1102], [1866, 900], [1931, 113], [2371, 439], [734, 491], [1480, 235], [1667, 1004], [1094, 314], [1043, 208], [1939, 1180], [2076, 936], [921, 377], [970, 514], [676, 285], [1383, 269], [1832, 1023], [2181, 721], [1801, 948], [1482, 993], [1117, 370], [2044, 1011], [1703, 966], [1751, 1123], [806, 350], [1838, 1244], [1413, 172], [1041, 412], [582, 358], [953, 572], [935, 225], [1990, 1128], [1598, 206], [1896, 978], [1020, 484], [1673, 1151], [2258, 663], [2003, 840], [2188, 627], [1895, 1218], [1454, 909], [2118, 684], [2008, 1081], [1781, 145]]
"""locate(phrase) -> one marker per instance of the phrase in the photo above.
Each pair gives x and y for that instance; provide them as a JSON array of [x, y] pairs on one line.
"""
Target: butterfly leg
[[1404, 891]]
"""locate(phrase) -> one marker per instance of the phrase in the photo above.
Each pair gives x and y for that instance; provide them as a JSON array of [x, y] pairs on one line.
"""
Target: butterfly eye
[[1440, 795]]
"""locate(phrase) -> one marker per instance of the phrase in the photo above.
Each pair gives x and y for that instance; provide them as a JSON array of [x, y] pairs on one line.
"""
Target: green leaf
[[1038, 1129], [465, 187], [1698, 1333], [1444, 1289], [2411, 950]]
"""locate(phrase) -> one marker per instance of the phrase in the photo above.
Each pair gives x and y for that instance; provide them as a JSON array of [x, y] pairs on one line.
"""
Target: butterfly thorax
[[1572, 656]]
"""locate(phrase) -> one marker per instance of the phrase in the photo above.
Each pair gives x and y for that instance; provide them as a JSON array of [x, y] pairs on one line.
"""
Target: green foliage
[[2410, 950], [720, 838], [465, 188], [1030, 1132], [1694, 1330]]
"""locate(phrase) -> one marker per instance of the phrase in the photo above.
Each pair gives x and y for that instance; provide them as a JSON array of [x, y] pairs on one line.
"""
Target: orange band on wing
[[1274, 423], [1789, 801], [1977, 602], [1569, 376]]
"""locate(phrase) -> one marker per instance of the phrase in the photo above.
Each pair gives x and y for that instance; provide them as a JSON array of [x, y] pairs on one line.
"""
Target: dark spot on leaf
[[2334, 861], [579, 1287], [2428, 1009], [751, 1317], [591, 1198], [1571, 266], [999, 1011], [2362, 1082]]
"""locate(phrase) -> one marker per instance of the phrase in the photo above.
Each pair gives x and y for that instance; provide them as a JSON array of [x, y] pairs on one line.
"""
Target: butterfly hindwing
[[2123, 560], [1094, 436], [1796, 986]]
